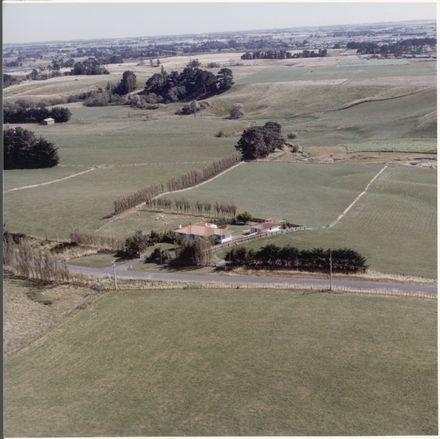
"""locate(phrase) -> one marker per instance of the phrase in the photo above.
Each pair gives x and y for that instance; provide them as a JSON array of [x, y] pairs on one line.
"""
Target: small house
[[48, 121], [207, 231], [265, 227]]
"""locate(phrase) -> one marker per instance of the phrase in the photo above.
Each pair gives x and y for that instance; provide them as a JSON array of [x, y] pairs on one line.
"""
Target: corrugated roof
[[202, 229]]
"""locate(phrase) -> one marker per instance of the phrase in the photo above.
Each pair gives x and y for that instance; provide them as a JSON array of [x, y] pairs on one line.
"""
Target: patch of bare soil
[[32, 308]]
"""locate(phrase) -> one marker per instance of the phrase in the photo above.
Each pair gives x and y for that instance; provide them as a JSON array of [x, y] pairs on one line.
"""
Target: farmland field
[[365, 105], [219, 362], [299, 70], [145, 221], [394, 225], [78, 203], [305, 194], [132, 153], [399, 145]]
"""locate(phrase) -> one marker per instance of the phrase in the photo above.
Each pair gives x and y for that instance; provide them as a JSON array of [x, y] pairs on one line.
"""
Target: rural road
[[235, 280]]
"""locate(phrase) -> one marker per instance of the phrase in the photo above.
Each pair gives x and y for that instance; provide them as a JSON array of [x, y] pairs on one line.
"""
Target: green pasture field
[[394, 225], [397, 145], [136, 153], [79, 203], [64, 86], [98, 260], [298, 70], [315, 111], [147, 146], [303, 193], [146, 221], [121, 135], [15, 178], [229, 363]]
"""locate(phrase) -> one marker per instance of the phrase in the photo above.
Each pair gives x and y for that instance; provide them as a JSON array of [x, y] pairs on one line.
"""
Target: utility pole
[[114, 274], [331, 270]]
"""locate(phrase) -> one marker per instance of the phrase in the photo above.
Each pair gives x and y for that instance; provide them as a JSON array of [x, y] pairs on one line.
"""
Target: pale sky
[[26, 22]]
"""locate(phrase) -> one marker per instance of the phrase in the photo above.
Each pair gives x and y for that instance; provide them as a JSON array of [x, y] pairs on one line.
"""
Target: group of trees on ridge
[[409, 46], [28, 113], [191, 84], [318, 260], [22, 150], [283, 54], [89, 66]]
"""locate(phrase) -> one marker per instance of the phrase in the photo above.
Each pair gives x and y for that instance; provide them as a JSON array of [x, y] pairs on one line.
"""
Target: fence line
[[261, 235]]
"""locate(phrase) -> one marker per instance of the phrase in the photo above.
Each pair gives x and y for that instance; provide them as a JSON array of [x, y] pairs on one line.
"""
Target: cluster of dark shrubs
[[193, 107], [198, 207], [17, 113], [191, 84], [196, 253], [318, 260], [89, 66], [22, 150], [159, 256], [135, 245], [409, 46], [259, 141], [283, 54], [186, 180], [114, 94]]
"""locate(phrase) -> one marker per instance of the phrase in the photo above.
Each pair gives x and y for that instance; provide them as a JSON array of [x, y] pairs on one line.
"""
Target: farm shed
[[266, 227], [207, 231], [48, 121]]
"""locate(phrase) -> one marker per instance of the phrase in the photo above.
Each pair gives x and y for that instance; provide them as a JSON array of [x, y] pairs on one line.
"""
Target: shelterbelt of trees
[[26, 112], [283, 54], [411, 45], [273, 257]]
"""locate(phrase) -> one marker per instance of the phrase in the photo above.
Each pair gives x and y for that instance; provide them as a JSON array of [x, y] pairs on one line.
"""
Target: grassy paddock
[[306, 194], [394, 225], [79, 203], [428, 146], [223, 362]]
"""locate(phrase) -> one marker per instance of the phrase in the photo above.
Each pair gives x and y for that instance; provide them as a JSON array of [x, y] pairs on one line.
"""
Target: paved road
[[357, 285]]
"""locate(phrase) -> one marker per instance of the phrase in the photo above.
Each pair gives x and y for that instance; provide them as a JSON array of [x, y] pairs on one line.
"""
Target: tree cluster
[[236, 111], [193, 107], [259, 141], [159, 256], [22, 150], [283, 54], [135, 245], [90, 66], [198, 207], [193, 253], [191, 84], [17, 113], [408, 46], [127, 83], [31, 263], [316, 260]]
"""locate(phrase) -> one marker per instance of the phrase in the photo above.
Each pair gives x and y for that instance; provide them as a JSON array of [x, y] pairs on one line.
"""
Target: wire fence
[[253, 237]]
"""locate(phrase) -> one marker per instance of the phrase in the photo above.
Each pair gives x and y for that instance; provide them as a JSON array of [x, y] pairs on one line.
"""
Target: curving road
[[426, 290]]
